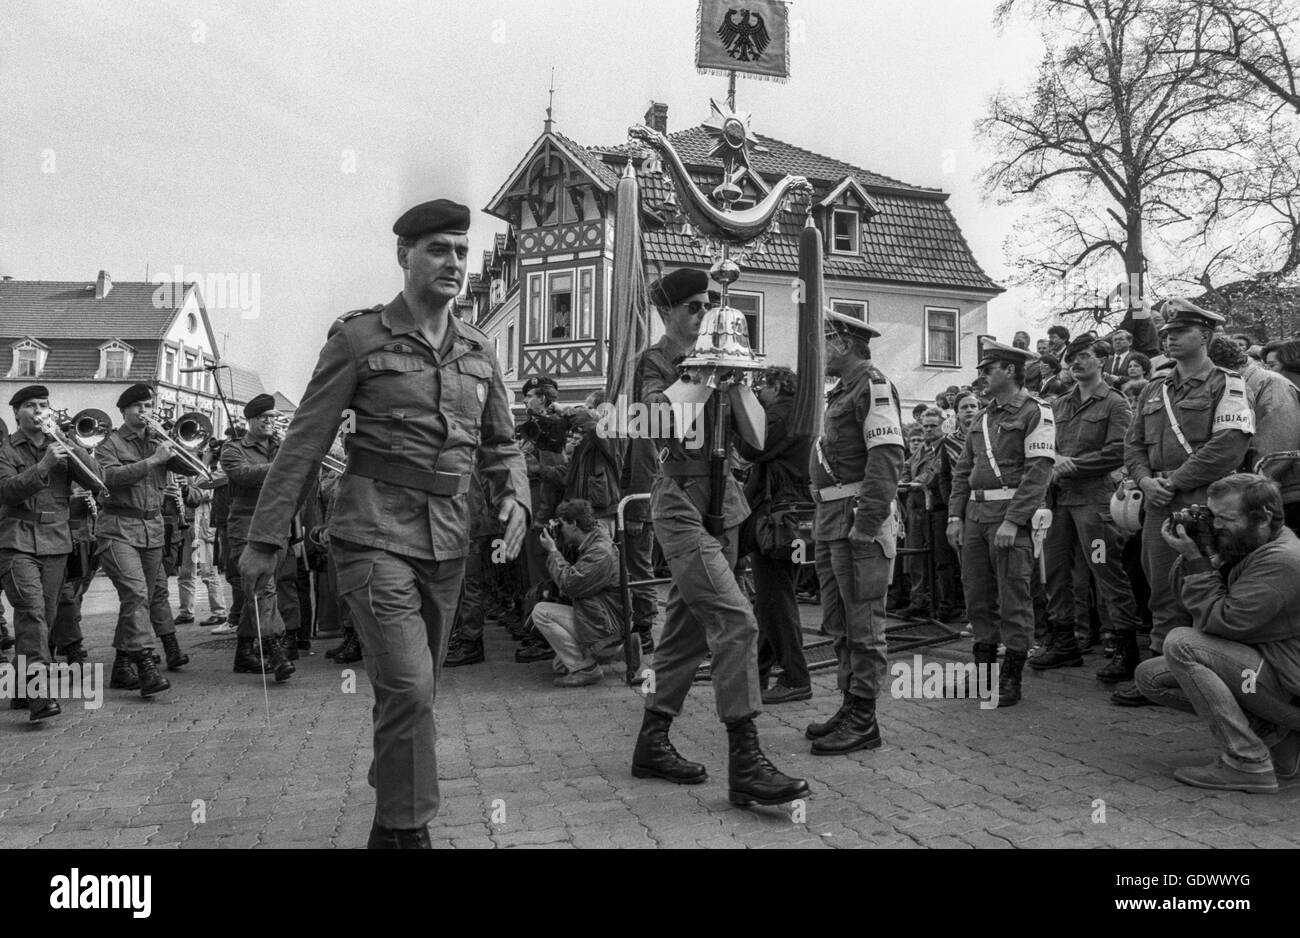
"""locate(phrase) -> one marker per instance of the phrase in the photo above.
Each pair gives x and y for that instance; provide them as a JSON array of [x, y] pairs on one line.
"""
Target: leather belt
[[141, 514], [685, 470], [1003, 494], [38, 517], [837, 493], [370, 466]]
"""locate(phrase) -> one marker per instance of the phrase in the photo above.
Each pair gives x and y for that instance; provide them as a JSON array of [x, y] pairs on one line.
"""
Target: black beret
[[678, 287], [133, 395], [1080, 342], [541, 381], [258, 406], [31, 392], [440, 215]]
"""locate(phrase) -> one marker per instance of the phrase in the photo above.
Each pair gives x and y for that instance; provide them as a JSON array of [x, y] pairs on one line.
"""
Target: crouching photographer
[[587, 633], [1238, 666]]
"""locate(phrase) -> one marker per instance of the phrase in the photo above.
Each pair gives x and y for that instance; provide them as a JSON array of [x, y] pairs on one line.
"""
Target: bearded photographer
[[587, 632], [1238, 667]]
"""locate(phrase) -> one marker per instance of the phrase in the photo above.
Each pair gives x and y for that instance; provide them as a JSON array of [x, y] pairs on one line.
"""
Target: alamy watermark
[[228, 291], [951, 680], [84, 682], [640, 421]]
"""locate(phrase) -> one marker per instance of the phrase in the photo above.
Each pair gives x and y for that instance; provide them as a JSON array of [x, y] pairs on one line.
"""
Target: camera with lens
[[1198, 522], [545, 431]]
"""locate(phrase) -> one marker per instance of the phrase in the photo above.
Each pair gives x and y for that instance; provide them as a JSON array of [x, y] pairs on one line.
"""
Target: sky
[[272, 144]]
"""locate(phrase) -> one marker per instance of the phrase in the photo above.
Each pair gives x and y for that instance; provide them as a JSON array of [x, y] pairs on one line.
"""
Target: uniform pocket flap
[[478, 367], [393, 361], [1195, 403]]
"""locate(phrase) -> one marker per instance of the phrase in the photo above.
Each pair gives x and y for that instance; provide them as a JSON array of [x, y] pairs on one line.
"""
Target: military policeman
[[1091, 423], [1192, 427], [855, 467], [130, 538], [246, 462], [706, 609], [999, 484], [422, 396], [35, 540]]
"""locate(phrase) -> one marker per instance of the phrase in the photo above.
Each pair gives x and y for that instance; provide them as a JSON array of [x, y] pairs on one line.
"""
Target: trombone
[[86, 476], [190, 433]]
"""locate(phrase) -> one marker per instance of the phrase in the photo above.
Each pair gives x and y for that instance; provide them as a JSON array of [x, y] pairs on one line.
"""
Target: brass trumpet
[[80, 471], [190, 432]]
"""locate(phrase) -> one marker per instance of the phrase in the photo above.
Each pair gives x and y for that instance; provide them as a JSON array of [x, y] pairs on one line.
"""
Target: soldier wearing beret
[[425, 404], [706, 609], [35, 540], [855, 468], [246, 462], [999, 483], [1191, 426], [542, 434], [1091, 423], [130, 537]]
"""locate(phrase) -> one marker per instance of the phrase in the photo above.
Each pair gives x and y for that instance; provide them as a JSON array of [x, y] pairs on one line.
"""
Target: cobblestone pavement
[[526, 764]]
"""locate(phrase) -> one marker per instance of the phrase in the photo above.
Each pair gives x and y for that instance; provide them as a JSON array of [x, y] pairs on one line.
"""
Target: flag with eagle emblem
[[751, 36]]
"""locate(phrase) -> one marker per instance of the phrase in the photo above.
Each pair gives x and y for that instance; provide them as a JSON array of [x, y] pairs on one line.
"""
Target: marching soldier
[[706, 609], [65, 637], [1091, 423], [425, 402], [246, 462], [855, 468], [1192, 426], [35, 487], [999, 483], [130, 537]]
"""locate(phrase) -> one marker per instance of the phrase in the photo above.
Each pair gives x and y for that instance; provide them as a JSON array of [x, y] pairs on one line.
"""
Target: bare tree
[[1257, 39], [1117, 135]]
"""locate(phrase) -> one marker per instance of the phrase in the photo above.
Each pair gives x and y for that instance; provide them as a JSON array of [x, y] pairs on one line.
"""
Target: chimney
[[657, 117], [103, 284]]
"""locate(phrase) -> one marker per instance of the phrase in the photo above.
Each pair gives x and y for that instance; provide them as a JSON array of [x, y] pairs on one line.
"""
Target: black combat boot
[[331, 652], [1013, 665], [151, 682], [123, 676], [856, 730], [350, 651], [45, 706], [463, 653], [751, 778], [393, 838], [818, 730], [75, 654], [1063, 653], [247, 658], [276, 659], [176, 659], [1125, 660], [290, 644], [655, 756]]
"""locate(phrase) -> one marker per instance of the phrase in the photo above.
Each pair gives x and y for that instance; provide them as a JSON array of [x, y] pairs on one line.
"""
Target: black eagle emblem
[[744, 35]]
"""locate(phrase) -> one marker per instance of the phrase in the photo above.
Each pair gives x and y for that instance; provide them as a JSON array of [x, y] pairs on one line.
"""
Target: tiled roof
[[913, 240], [78, 359], [589, 160], [240, 385], [283, 404], [59, 310]]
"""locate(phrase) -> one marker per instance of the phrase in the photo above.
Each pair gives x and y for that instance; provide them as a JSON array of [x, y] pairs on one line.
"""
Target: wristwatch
[[952, 518]]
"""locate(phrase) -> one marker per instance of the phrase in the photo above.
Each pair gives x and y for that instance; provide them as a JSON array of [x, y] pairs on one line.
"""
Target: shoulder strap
[[988, 449], [1173, 420]]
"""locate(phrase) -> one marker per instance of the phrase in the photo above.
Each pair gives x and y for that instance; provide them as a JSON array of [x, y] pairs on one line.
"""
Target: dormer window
[[29, 359], [846, 227], [114, 360]]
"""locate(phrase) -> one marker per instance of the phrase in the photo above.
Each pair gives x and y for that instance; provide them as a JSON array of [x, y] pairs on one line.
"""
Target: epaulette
[[473, 333], [349, 316]]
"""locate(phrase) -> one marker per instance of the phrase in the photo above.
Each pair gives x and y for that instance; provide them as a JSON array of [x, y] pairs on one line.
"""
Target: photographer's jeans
[[558, 623], [1228, 686], [1167, 612]]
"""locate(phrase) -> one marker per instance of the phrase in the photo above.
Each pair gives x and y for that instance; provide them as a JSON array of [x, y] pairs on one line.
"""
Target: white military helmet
[[1126, 507]]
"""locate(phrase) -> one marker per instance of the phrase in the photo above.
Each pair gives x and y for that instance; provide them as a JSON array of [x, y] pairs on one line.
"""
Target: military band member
[[855, 467], [130, 537], [706, 609], [1191, 427], [999, 483], [1091, 423], [65, 637], [246, 462], [35, 487], [426, 403]]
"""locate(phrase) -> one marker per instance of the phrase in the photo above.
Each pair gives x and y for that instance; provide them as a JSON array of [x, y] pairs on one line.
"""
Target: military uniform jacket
[[34, 506], [1091, 431], [1022, 436], [655, 372], [1216, 421], [246, 464], [410, 405], [135, 486], [861, 444]]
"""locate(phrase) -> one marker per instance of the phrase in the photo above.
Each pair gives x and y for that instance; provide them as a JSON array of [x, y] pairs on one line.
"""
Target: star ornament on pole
[[730, 132]]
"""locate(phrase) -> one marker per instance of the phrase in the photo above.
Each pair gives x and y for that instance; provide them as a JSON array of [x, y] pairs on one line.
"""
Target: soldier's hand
[[955, 534], [1065, 466], [1005, 537], [56, 454], [257, 565], [515, 520], [163, 453], [1158, 492]]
